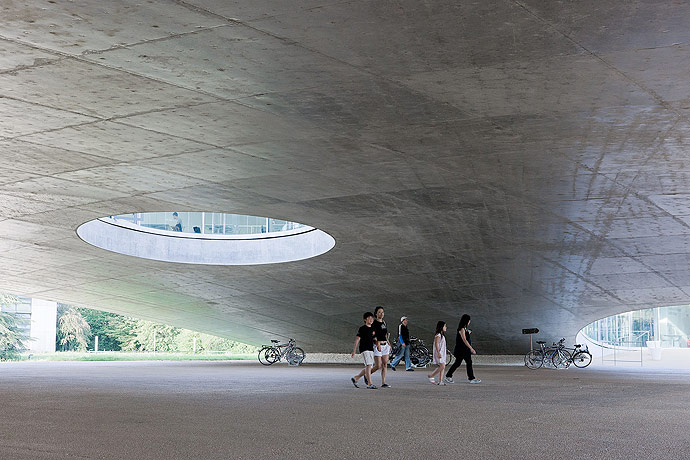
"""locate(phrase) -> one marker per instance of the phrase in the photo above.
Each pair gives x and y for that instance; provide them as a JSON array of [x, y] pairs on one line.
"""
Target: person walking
[[404, 340], [463, 351], [439, 353], [382, 349], [365, 339]]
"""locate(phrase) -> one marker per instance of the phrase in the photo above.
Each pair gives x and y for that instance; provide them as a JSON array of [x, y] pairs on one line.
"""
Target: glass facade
[[668, 325], [209, 223]]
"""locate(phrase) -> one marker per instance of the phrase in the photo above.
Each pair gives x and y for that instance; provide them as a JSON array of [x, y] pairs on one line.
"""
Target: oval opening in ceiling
[[207, 238]]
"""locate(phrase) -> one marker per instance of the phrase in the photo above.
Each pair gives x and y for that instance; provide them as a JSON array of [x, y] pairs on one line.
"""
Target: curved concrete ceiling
[[521, 161]]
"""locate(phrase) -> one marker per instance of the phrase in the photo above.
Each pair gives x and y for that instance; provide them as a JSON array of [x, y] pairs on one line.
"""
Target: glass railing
[[208, 223]]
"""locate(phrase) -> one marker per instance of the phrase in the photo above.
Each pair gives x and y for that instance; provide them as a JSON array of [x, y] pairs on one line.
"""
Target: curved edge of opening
[[165, 246]]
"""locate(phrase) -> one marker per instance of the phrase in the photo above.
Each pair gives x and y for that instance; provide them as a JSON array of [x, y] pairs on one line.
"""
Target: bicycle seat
[[540, 342], [577, 345], [275, 341]]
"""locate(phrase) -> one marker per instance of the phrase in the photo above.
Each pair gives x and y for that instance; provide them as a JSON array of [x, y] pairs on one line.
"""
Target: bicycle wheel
[[534, 359], [561, 359], [421, 355], [295, 356], [271, 355], [262, 356], [582, 359]]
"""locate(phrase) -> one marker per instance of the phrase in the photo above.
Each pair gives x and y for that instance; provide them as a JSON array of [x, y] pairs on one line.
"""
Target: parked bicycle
[[558, 356], [420, 355], [563, 357], [536, 358], [270, 354]]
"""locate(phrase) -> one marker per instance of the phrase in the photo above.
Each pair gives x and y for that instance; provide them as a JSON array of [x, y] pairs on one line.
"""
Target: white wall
[[43, 319]]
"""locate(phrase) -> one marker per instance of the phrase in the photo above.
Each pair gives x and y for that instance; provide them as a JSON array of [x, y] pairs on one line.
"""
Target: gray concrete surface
[[234, 410], [523, 161]]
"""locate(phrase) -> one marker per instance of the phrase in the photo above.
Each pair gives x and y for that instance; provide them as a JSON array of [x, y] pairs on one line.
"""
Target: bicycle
[[564, 357], [420, 355], [536, 358], [273, 353]]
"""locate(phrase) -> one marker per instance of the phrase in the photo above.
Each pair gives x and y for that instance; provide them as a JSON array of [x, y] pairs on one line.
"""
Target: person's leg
[[384, 368], [377, 364], [367, 374], [398, 357], [408, 362], [470, 372], [433, 374], [454, 366], [441, 368]]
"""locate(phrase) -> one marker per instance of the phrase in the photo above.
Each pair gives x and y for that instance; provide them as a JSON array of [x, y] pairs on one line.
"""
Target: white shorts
[[385, 350], [368, 357]]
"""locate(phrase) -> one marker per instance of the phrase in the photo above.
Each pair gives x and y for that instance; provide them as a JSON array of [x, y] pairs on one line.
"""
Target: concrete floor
[[165, 410]]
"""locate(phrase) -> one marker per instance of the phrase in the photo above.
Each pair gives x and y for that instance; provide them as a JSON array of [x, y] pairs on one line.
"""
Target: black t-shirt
[[404, 332], [381, 330], [366, 338]]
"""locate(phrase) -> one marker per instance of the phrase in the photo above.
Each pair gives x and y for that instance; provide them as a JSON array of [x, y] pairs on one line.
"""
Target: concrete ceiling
[[521, 161]]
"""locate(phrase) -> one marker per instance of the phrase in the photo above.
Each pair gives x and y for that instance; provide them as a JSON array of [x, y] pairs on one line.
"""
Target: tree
[[156, 337], [115, 332], [73, 330], [11, 336]]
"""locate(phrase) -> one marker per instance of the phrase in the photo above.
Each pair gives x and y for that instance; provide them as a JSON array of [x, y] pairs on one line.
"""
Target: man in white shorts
[[382, 349], [366, 337]]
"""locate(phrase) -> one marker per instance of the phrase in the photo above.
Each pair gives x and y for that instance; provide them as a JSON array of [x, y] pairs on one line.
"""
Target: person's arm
[[464, 339], [400, 336], [355, 348], [437, 345], [378, 344]]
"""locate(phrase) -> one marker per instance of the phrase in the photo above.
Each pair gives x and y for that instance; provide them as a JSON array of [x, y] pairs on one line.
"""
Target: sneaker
[[448, 380], [431, 380], [442, 383], [385, 385], [354, 382], [475, 381], [410, 370], [393, 368], [371, 387]]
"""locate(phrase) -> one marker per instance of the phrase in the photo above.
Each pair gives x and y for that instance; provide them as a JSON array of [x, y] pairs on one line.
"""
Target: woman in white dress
[[439, 353]]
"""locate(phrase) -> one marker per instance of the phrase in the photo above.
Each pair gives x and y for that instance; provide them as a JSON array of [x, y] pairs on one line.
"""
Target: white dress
[[440, 359]]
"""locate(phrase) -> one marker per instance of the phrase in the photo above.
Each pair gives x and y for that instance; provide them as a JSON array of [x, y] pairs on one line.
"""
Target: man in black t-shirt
[[366, 339]]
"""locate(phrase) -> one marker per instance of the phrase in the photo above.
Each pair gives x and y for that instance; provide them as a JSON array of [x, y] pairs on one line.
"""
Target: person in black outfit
[[366, 336], [463, 351]]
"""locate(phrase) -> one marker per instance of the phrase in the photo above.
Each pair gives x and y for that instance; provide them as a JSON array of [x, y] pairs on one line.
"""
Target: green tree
[[73, 331], [115, 332], [156, 337], [11, 337]]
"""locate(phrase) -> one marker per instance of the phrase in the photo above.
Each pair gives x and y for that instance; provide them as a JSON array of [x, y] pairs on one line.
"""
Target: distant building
[[38, 319]]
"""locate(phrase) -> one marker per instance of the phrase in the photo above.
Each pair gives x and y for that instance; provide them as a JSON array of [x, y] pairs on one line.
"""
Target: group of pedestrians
[[372, 339]]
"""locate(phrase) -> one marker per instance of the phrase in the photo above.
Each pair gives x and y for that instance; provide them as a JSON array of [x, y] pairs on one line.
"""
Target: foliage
[[115, 332], [73, 331], [121, 333], [11, 337], [185, 341], [156, 337]]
